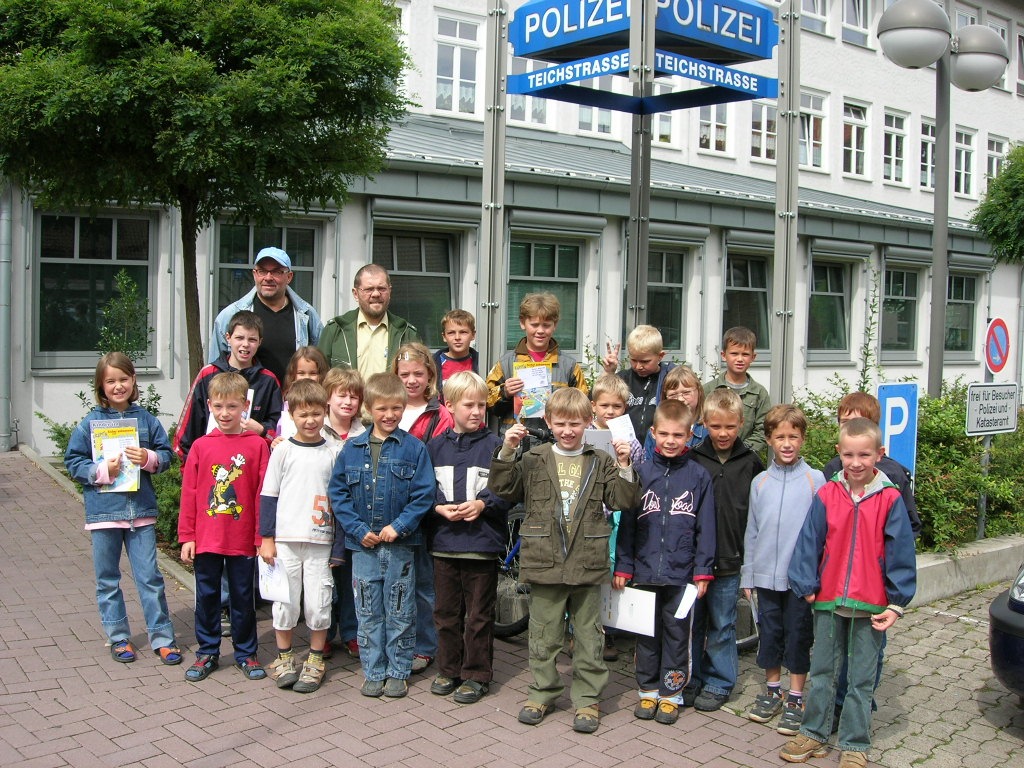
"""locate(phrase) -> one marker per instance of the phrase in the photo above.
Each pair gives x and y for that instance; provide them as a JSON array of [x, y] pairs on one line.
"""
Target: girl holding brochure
[[112, 453]]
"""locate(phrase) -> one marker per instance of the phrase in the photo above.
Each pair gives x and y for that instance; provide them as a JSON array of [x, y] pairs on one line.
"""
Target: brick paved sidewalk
[[66, 702]]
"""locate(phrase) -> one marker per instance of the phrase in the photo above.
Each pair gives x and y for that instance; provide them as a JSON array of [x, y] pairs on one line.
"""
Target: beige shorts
[[309, 580]]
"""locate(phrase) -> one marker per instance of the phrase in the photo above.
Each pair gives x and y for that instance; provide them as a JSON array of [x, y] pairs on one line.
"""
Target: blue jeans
[[344, 624], [208, 568], [140, 544], [837, 638], [426, 632], [384, 583], [715, 661]]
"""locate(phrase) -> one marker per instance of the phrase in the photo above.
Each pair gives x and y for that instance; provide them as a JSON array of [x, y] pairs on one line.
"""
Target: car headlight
[[1017, 588]]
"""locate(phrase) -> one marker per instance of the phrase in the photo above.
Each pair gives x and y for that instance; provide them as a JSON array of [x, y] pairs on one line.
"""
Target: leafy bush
[[168, 495]]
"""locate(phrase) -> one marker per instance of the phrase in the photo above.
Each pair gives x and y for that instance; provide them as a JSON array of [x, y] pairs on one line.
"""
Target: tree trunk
[[190, 284]]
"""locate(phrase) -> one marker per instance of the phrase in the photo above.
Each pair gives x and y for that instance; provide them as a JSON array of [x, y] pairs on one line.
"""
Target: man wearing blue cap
[[289, 322]]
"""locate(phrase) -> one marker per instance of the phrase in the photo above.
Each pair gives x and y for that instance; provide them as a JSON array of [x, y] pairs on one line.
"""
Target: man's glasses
[[276, 273], [371, 291]]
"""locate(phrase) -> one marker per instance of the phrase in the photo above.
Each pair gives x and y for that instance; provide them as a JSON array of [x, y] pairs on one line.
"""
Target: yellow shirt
[[372, 346]]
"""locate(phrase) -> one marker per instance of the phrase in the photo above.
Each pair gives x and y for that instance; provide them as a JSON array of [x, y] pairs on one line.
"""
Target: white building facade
[[866, 177]]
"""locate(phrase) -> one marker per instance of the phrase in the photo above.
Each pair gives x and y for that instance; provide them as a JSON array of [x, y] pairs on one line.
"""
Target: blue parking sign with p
[[899, 422]]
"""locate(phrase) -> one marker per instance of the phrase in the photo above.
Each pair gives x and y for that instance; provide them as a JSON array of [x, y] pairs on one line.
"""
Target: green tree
[[1000, 217], [251, 107]]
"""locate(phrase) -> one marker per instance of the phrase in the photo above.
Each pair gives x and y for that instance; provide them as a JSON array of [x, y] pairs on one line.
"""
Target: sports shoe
[[470, 692], [372, 688], [352, 646], [710, 702], [645, 709], [420, 662], [853, 760], [225, 623], [668, 712], [532, 714], [252, 669], [312, 674], [395, 688], [201, 668], [282, 671], [442, 685], [792, 717], [690, 695], [801, 749], [587, 719], [766, 706]]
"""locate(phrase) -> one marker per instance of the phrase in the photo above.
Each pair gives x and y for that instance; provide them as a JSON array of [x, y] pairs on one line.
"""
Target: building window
[[536, 266], [79, 257], [661, 122], [894, 147], [965, 17], [963, 163], [456, 65], [746, 296], [960, 311], [763, 130], [826, 326], [594, 119], [815, 15], [1000, 26], [523, 107], [927, 155], [855, 130], [665, 295], [1020, 64], [812, 129], [856, 15], [996, 156], [714, 127], [237, 244], [899, 311], [420, 265]]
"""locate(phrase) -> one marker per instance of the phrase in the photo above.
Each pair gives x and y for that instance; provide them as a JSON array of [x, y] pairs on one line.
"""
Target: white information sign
[[992, 408]]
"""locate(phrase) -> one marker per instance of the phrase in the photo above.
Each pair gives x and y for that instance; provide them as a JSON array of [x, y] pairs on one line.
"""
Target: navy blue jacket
[[462, 464], [670, 538]]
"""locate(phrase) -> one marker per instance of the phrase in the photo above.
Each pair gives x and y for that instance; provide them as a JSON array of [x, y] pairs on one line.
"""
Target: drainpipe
[[6, 274]]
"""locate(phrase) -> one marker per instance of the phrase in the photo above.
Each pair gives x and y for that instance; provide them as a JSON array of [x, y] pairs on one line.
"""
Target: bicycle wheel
[[512, 610], [746, 622]]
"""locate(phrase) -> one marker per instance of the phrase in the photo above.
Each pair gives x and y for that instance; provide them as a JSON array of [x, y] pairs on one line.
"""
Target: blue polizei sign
[[615, 62], [899, 422], [722, 31]]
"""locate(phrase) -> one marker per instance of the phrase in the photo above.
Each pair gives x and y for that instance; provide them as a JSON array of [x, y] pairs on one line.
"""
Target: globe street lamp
[[916, 34]]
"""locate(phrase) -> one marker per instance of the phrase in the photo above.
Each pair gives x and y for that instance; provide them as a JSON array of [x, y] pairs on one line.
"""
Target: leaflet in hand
[[536, 388], [621, 428], [109, 438], [273, 581], [629, 609]]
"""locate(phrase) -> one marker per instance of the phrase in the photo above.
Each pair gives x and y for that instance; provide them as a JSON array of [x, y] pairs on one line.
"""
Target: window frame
[[963, 161], [665, 251], [910, 352], [855, 139], [764, 138], [1001, 27], [970, 333], [857, 16], [599, 117], [458, 45], [54, 361], [814, 16], [812, 114], [749, 256], [843, 294], [926, 165], [995, 157], [534, 283], [530, 104], [894, 148], [717, 125]]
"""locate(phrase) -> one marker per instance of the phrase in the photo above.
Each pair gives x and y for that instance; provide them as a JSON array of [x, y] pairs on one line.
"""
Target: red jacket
[[432, 422], [220, 493]]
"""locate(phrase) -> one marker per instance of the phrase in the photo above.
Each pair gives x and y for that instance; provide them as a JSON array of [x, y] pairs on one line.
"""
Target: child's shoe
[[668, 712], [766, 706], [251, 668], [396, 688], [611, 653], [352, 646], [532, 714], [421, 662], [201, 668], [792, 716], [853, 760], [710, 702], [442, 685], [372, 688], [282, 671], [225, 623], [587, 719], [645, 709], [312, 674], [470, 692], [801, 749]]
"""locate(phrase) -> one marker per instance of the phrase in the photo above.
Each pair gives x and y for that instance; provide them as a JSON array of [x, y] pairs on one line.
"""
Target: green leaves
[[1000, 217]]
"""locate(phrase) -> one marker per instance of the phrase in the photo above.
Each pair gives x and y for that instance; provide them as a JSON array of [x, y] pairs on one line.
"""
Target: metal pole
[[940, 230], [492, 219]]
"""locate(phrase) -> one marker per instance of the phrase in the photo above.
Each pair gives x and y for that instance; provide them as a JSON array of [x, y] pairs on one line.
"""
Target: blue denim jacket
[[111, 507], [400, 493]]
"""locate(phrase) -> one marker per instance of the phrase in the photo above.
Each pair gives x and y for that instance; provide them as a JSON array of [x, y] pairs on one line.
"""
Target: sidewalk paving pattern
[[65, 702]]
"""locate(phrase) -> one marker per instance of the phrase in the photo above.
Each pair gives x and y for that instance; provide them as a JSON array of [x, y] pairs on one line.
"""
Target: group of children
[[411, 508]]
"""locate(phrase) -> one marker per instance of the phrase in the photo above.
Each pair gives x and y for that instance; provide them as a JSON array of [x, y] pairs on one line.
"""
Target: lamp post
[[916, 34]]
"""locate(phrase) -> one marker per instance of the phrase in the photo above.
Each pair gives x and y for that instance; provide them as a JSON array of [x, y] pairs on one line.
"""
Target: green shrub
[[168, 495]]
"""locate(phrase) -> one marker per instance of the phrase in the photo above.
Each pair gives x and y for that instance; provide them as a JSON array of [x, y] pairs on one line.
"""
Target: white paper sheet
[[273, 581], [686, 603], [629, 609], [621, 428]]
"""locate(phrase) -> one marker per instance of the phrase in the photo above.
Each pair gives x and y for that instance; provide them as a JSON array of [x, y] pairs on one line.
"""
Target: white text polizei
[[574, 16], [715, 18]]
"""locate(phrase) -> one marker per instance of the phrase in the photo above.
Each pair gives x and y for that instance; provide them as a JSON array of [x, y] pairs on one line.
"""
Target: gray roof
[[428, 140]]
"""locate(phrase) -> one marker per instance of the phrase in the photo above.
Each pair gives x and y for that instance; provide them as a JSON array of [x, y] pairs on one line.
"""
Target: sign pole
[[641, 73]]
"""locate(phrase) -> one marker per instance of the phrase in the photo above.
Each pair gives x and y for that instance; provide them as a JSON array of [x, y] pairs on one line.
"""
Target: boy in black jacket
[[469, 532], [663, 546], [732, 466]]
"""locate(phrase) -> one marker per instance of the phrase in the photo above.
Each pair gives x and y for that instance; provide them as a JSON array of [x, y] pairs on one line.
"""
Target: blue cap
[[275, 254]]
